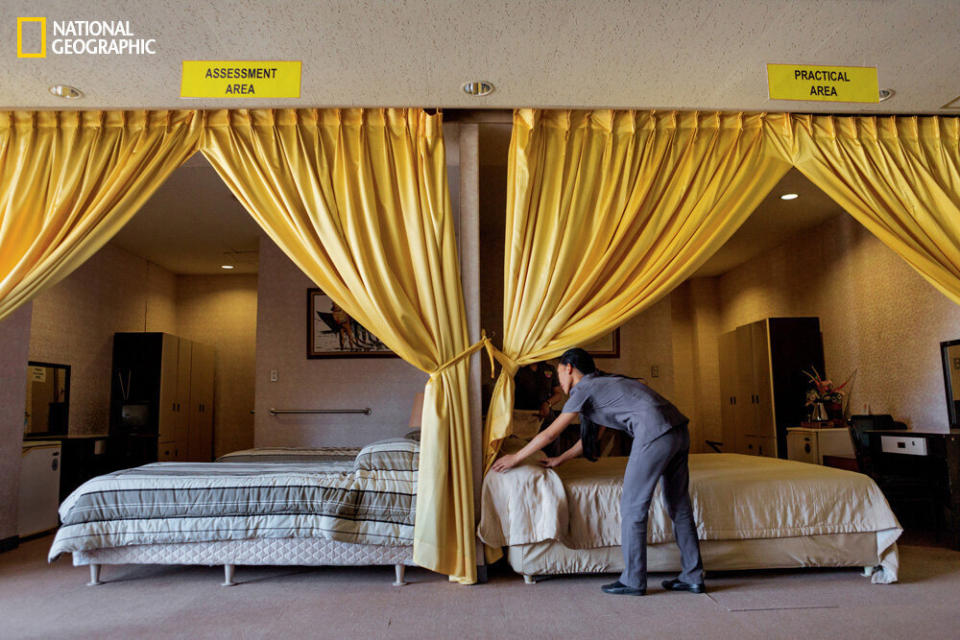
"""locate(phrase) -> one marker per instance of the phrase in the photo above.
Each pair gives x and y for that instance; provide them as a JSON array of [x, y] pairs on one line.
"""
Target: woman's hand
[[508, 461], [550, 463]]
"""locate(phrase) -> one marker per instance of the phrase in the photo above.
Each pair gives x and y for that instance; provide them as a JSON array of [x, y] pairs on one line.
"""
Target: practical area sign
[[822, 84], [240, 79]]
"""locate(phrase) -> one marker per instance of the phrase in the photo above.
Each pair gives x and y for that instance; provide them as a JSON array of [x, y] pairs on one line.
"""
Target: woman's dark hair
[[580, 359]]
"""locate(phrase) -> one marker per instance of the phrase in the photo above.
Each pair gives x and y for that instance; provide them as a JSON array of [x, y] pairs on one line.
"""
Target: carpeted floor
[[38, 600]]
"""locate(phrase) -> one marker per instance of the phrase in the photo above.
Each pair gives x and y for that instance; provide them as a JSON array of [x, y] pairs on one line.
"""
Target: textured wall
[[74, 322], [879, 318], [221, 311], [695, 318], [386, 385], [14, 344]]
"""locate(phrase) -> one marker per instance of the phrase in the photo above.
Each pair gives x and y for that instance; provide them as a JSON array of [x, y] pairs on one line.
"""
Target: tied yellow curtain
[[358, 200], [70, 180], [898, 176], [607, 211]]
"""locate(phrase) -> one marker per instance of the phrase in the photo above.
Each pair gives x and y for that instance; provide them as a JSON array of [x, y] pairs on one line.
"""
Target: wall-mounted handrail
[[277, 412]]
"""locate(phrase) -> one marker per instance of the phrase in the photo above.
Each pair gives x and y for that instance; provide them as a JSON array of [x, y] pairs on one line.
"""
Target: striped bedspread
[[335, 458], [169, 502]]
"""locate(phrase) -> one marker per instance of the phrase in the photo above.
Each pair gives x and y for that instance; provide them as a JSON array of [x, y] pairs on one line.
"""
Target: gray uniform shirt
[[624, 404]]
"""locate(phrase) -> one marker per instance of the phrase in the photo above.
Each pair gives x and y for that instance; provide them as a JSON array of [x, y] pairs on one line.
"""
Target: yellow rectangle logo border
[[43, 38]]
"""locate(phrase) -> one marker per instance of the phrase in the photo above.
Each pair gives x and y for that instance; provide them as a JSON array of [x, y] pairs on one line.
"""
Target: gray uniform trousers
[[666, 457]]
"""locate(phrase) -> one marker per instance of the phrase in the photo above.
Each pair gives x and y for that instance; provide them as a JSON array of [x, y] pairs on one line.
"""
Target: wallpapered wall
[[880, 319], [74, 322], [385, 385], [14, 344], [221, 311]]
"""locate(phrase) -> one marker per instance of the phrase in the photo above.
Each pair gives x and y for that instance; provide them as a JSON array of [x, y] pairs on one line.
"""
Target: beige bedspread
[[734, 497]]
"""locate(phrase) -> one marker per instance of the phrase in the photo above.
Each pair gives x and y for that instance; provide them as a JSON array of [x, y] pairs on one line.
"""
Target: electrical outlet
[[655, 371], [274, 375]]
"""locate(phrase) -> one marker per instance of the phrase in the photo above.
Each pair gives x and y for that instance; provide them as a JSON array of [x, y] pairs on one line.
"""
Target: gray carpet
[[38, 600]]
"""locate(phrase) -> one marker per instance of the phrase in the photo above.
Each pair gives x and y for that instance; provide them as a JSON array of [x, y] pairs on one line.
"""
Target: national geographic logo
[[80, 37]]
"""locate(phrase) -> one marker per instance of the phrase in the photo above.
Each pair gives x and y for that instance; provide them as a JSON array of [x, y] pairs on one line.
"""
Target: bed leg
[[228, 576], [94, 575], [400, 571], [529, 579]]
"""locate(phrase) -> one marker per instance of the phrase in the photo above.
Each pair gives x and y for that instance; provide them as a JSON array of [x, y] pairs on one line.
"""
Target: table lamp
[[416, 414]]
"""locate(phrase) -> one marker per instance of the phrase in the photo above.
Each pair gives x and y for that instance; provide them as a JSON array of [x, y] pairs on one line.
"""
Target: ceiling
[[192, 224], [687, 54]]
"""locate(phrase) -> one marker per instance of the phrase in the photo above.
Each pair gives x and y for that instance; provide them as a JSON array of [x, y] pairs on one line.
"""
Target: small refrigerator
[[39, 487]]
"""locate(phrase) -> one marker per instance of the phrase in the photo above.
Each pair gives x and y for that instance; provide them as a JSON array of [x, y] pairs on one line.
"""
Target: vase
[[819, 413]]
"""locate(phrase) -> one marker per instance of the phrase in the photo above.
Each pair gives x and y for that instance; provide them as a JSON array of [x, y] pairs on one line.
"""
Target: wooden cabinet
[[762, 384], [163, 388]]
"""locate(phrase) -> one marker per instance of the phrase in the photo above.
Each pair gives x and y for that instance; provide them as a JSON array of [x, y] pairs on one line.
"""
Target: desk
[[923, 454]]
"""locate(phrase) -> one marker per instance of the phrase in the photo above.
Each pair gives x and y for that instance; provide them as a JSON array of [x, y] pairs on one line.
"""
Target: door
[[728, 390], [183, 398], [169, 353], [745, 407], [203, 359], [764, 423]]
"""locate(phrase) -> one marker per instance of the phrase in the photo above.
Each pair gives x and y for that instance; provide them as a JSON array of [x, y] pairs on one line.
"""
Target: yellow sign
[[240, 79], [822, 84]]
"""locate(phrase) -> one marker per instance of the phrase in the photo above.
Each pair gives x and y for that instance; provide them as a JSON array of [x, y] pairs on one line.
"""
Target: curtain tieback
[[492, 352]]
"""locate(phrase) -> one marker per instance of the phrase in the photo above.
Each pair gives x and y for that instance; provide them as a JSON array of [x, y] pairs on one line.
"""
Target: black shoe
[[619, 589], [679, 585]]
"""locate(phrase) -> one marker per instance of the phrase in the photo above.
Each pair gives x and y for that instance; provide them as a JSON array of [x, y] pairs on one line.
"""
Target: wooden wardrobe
[[762, 382], [162, 398]]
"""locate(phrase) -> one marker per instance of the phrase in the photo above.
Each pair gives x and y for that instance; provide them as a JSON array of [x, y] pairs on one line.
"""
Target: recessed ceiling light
[[226, 266], [66, 91], [886, 94], [478, 88], [789, 196]]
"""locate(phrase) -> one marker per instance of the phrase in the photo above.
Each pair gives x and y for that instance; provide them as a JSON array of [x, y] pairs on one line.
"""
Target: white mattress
[[258, 551], [829, 550]]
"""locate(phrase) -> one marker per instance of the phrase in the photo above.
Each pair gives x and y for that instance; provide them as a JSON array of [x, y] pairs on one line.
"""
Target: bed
[[258, 507], [752, 513], [332, 458]]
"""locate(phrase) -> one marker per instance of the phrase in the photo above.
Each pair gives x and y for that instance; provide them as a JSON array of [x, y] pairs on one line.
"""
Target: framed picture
[[606, 347], [332, 333]]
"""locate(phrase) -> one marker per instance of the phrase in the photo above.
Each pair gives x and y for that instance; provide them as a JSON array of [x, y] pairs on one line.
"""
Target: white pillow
[[392, 454]]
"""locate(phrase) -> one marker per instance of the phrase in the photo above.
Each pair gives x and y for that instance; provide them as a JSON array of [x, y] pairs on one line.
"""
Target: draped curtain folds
[[358, 200], [607, 211], [70, 180], [899, 176]]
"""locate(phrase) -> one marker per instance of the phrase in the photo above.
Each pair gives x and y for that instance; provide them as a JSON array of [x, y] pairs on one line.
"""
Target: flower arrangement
[[822, 392]]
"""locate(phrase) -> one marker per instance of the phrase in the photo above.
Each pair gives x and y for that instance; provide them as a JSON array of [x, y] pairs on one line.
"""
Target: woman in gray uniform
[[661, 443]]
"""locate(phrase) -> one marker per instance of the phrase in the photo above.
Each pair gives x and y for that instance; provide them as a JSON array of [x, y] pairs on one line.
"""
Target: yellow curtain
[[607, 211], [358, 200], [70, 180], [898, 176]]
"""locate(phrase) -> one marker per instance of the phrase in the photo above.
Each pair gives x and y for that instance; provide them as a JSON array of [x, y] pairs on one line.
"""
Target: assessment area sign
[[822, 84], [240, 79]]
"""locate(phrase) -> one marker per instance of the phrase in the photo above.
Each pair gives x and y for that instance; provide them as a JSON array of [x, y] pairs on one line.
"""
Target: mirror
[[48, 399], [951, 377]]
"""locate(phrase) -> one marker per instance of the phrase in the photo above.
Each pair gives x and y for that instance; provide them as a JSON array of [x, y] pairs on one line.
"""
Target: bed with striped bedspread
[[170, 502]]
